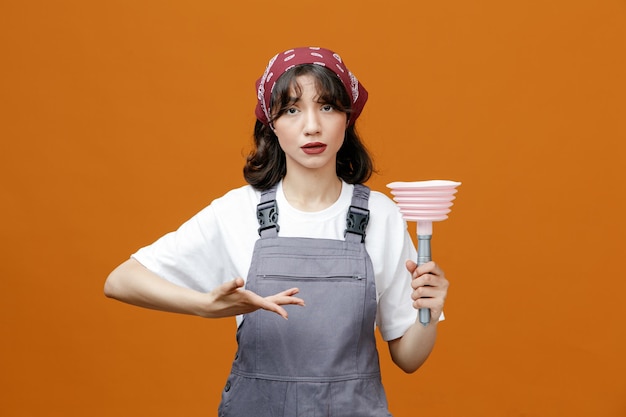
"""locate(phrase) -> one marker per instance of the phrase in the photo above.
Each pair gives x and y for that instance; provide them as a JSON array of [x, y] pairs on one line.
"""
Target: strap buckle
[[267, 215], [356, 221]]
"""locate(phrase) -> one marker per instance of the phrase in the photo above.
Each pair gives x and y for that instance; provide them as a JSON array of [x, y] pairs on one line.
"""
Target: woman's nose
[[312, 123]]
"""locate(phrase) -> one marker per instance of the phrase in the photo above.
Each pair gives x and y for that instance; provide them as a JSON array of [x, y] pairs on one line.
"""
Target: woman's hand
[[134, 284], [430, 287], [231, 299]]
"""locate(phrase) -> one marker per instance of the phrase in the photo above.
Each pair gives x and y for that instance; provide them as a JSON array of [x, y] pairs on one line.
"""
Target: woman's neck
[[311, 194]]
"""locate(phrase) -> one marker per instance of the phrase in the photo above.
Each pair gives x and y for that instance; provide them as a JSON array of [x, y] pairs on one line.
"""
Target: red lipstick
[[313, 148]]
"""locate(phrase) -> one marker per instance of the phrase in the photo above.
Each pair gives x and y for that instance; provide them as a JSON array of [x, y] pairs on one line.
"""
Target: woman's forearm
[[411, 350], [134, 284]]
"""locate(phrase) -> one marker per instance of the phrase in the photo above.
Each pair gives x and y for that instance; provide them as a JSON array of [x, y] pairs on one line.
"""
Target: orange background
[[121, 119]]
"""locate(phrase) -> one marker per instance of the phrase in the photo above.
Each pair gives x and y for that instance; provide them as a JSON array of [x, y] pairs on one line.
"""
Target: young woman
[[304, 241]]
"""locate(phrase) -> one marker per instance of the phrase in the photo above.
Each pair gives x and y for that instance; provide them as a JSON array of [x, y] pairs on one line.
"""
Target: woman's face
[[310, 132]]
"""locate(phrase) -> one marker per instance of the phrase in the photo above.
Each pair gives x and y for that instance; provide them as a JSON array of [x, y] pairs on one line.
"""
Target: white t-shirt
[[216, 245]]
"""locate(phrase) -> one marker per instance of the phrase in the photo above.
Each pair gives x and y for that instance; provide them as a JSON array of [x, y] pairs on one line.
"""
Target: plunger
[[424, 202]]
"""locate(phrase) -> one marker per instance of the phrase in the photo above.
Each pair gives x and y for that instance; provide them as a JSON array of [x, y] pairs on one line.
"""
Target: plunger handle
[[423, 256]]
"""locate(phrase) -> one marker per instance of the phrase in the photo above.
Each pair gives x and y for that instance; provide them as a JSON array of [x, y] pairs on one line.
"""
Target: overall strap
[[356, 219], [358, 214], [267, 214]]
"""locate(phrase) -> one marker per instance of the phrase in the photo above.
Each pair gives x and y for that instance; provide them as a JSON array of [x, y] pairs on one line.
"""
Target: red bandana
[[284, 61]]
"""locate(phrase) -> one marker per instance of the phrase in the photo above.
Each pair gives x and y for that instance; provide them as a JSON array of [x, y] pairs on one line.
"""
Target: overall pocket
[[321, 339]]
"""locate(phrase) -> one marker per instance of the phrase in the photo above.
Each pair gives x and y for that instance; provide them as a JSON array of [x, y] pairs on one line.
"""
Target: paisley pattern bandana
[[284, 61]]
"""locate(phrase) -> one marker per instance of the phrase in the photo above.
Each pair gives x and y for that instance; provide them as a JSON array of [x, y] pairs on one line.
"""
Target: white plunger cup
[[424, 202]]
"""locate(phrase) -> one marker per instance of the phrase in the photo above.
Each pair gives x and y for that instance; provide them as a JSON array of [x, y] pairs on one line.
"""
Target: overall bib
[[323, 361]]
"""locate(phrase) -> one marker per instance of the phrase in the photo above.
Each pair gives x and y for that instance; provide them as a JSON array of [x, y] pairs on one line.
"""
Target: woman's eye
[[327, 107], [292, 110]]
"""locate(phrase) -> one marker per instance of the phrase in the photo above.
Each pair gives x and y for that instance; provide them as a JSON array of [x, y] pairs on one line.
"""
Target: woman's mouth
[[313, 148]]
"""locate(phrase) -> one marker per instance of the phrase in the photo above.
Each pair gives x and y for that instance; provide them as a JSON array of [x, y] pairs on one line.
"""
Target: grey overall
[[323, 361]]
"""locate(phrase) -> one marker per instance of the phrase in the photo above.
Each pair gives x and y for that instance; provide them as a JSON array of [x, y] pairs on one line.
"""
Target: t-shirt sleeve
[[395, 310], [191, 256]]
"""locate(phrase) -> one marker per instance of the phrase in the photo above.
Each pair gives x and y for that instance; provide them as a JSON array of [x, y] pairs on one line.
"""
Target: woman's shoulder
[[235, 209], [385, 216], [243, 196], [381, 202]]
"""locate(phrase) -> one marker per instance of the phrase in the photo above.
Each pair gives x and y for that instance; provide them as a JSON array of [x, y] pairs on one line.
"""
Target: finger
[[229, 286], [255, 302], [410, 266], [274, 307], [232, 286], [274, 302], [435, 312], [429, 268], [284, 300], [428, 291], [289, 292], [421, 280], [430, 280], [435, 304], [286, 297]]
